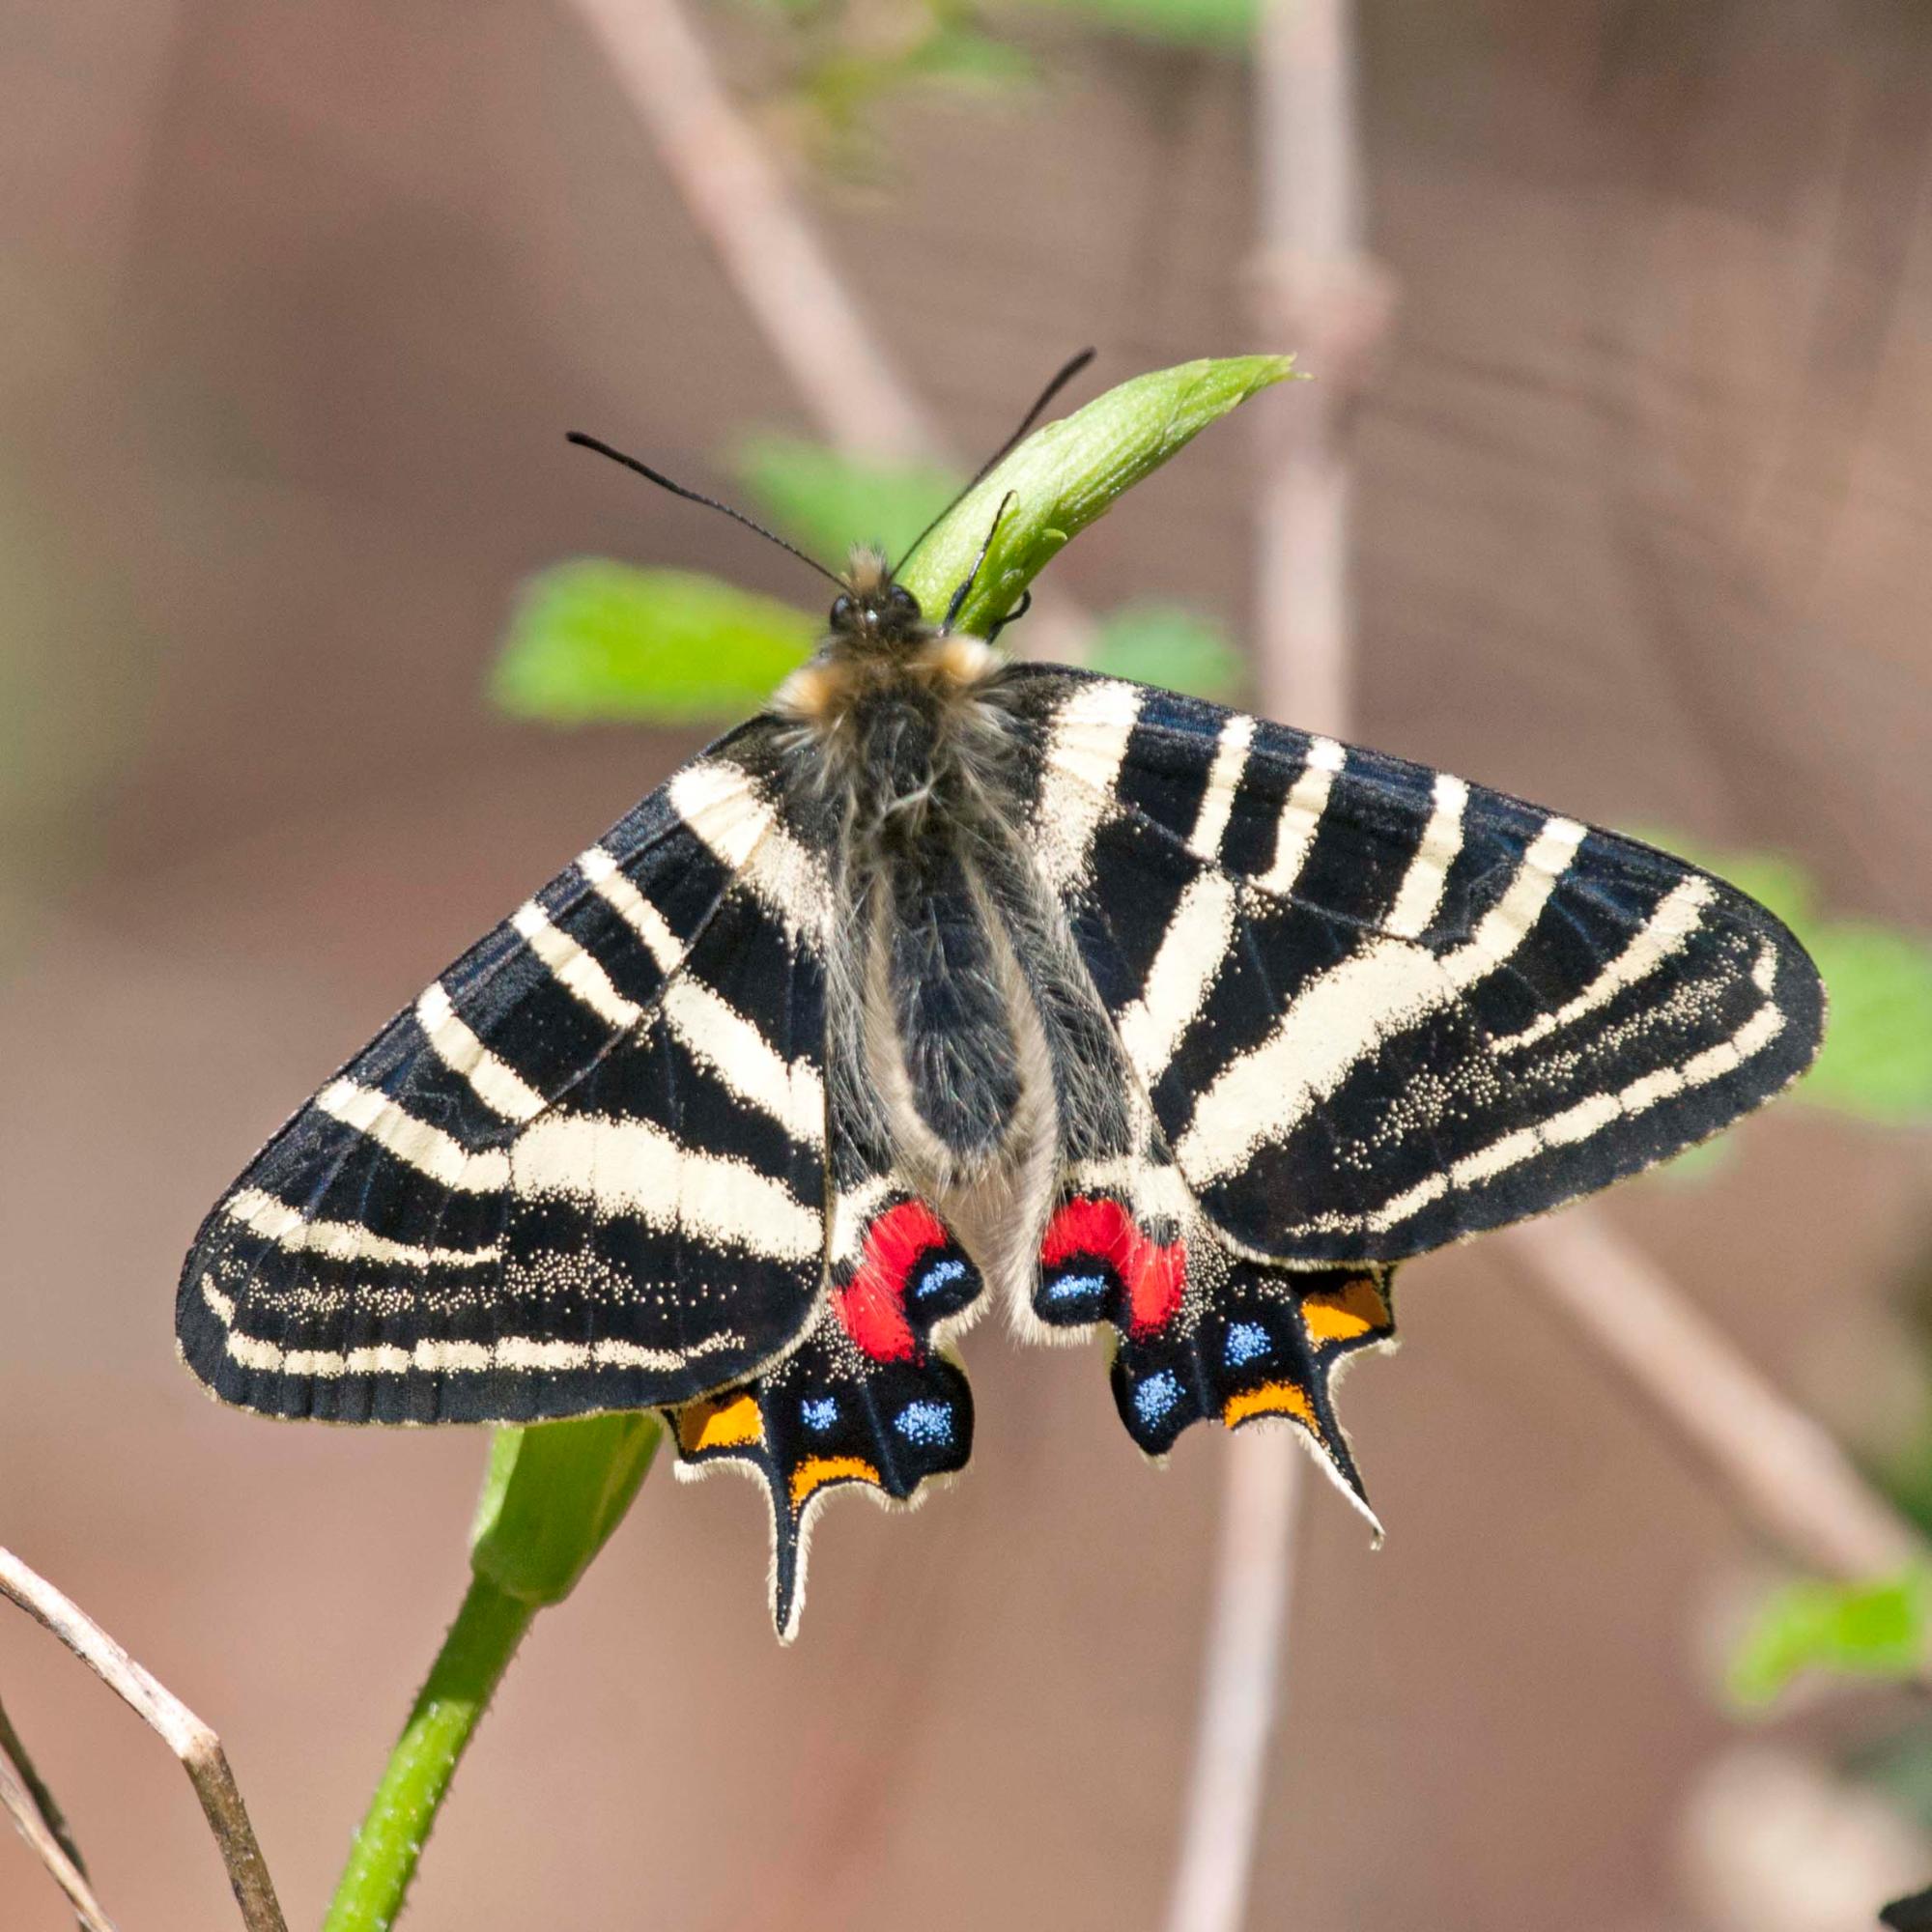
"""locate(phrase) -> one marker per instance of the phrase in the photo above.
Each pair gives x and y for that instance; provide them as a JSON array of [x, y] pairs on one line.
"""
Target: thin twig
[[1313, 288], [776, 263], [1254, 1574], [1776, 1466], [1309, 282], [14, 1748], [783, 272], [52, 1853], [191, 1740]]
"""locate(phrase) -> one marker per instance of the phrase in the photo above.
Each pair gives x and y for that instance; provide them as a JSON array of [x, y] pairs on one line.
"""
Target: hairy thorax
[[890, 725], [904, 733]]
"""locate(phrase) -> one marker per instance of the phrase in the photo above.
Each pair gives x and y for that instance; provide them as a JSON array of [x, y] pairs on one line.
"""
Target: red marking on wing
[[872, 1305], [1156, 1273]]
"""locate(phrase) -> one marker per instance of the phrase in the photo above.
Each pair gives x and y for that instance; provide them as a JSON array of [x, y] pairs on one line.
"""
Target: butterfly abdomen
[[917, 761], [948, 1006]]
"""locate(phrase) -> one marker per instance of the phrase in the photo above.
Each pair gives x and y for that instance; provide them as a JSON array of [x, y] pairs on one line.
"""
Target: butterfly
[[951, 981]]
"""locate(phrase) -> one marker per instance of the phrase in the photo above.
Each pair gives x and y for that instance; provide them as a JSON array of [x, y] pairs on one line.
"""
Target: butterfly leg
[[1013, 616], [866, 1398], [958, 601]]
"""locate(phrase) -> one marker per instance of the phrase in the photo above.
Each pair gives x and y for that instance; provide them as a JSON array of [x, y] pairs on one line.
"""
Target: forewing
[[584, 1170], [1376, 1008]]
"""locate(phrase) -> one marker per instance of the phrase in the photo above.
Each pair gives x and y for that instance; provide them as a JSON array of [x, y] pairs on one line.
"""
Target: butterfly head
[[872, 609]]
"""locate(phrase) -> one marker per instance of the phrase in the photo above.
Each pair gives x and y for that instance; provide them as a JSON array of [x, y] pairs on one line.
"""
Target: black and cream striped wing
[[584, 1171], [1377, 1009]]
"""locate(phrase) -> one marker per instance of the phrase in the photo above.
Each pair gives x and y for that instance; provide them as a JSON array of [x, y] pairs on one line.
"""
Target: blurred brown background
[[299, 299]]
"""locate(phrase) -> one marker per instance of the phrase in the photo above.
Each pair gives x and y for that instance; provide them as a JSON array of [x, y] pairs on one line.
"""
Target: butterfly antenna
[[1064, 376], [663, 482]]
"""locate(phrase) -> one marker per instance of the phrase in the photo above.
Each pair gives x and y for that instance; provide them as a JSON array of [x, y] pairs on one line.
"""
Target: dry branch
[[1254, 1574], [51, 1848], [744, 207], [191, 1740], [1314, 289], [14, 1748], [1777, 1466]]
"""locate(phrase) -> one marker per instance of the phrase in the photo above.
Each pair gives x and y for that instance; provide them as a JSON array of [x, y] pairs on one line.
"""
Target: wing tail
[[869, 1399]]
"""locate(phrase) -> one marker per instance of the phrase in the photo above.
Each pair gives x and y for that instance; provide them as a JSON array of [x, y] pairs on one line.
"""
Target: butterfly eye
[[902, 603], [842, 612]]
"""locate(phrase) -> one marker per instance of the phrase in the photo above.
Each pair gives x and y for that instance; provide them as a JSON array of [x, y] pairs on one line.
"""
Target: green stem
[[462, 1681], [551, 1496]]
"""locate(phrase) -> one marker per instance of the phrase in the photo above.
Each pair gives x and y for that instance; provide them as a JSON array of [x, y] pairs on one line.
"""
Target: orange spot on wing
[[1270, 1399], [726, 1423], [816, 1471], [1342, 1315]]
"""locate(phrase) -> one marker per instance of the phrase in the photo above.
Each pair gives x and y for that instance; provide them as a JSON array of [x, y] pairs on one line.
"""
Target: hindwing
[[1377, 1009], [871, 1398], [584, 1171], [1200, 1330]]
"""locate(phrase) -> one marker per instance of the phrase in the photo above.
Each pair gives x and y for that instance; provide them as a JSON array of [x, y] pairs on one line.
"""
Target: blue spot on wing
[[819, 1414], [1246, 1341], [1154, 1397], [940, 1276], [930, 1423], [1077, 1288]]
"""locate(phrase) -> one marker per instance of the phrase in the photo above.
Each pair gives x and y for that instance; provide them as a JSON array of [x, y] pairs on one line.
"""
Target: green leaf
[[1861, 1630], [1064, 475], [554, 1491], [826, 502], [1228, 25], [1162, 643], [592, 639], [1877, 1057], [963, 56]]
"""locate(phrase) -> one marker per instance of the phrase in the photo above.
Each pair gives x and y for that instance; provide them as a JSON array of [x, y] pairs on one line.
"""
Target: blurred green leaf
[[1877, 1059], [1861, 1630], [844, 88], [841, 61], [1698, 1163], [1780, 884], [963, 56], [1901, 1767], [1227, 25], [592, 640], [1162, 643], [1877, 1056], [826, 502]]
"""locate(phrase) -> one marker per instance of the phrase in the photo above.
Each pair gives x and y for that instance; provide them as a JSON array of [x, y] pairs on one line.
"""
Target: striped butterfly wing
[[584, 1171], [1376, 1008]]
